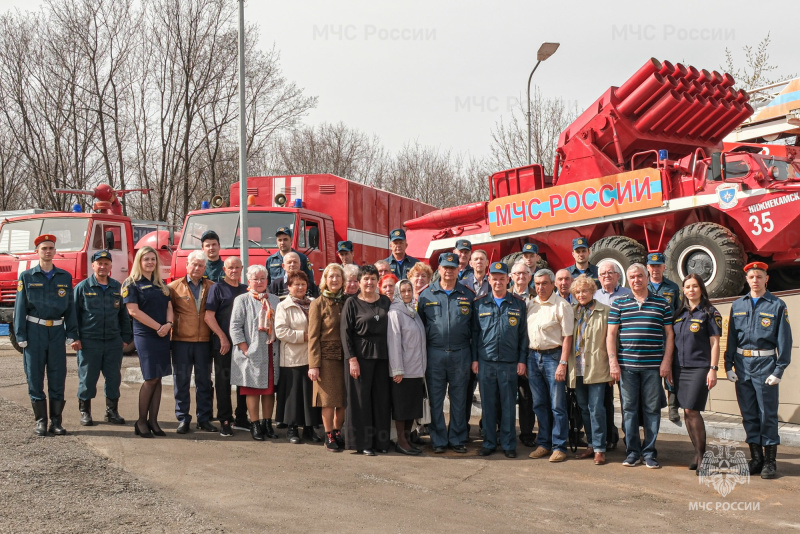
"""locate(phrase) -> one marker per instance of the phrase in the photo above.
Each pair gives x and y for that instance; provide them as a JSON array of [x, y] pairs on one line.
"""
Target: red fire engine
[[321, 209], [643, 169]]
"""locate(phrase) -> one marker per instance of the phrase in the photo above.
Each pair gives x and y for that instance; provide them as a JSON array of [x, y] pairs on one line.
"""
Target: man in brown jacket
[[190, 344]]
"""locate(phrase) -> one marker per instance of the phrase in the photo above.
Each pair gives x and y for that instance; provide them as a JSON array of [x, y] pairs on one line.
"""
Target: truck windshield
[[262, 226], [17, 236]]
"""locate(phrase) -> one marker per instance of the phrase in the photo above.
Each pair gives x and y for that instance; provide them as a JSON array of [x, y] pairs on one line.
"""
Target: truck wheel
[[713, 252], [514, 256], [12, 338], [619, 250]]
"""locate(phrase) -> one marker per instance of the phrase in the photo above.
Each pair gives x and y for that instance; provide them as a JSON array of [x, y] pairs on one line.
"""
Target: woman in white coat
[[254, 366]]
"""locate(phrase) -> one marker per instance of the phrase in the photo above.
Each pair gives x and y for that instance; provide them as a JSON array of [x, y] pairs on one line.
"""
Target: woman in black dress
[[147, 299], [364, 326], [698, 326]]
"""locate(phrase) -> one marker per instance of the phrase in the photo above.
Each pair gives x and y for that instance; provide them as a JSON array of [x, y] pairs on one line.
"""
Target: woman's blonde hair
[[136, 270], [582, 282], [323, 283], [419, 268]]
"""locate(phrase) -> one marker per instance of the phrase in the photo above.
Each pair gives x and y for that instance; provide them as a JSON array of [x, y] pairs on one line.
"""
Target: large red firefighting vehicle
[[321, 209], [79, 235], [643, 169]]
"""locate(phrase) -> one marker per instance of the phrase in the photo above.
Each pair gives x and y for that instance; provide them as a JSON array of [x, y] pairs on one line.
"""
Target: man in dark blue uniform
[[580, 251], [463, 250], [344, 249], [283, 236], [499, 350], [445, 308], [209, 242], [758, 351], [103, 327], [399, 262], [531, 258], [664, 287], [44, 324]]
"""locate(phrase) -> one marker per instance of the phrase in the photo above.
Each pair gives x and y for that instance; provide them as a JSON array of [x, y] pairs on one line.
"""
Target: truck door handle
[[124, 270]]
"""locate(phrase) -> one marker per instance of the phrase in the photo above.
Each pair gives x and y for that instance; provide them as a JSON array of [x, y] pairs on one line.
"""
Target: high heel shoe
[[156, 430], [138, 432]]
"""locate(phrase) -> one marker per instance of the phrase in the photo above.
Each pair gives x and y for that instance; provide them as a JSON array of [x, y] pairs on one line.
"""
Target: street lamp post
[[545, 51]]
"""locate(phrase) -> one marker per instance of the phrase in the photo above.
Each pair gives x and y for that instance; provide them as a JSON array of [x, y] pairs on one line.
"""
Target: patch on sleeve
[[718, 320], [124, 291], [21, 285]]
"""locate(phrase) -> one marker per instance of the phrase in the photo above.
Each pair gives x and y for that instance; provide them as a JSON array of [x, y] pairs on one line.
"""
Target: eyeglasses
[[608, 273]]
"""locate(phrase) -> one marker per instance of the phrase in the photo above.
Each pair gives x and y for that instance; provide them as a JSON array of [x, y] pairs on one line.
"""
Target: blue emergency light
[[298, 203], [205, 205], [76, 208], [663, 154]]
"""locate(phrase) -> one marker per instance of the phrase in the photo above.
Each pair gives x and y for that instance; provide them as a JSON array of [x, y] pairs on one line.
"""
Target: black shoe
[[226, 430], [461, 449], [85, 407], [510, 454], [770, 469], [485, 451], [330, 442], [266, 429], [382, 451], [155, 429], [439, 450], [294, 437], [409, 452], [756, 463], [281, 425], [183, 427], [528, 441], [255, 431], [208, 427], [138, 432], [369, 452], [309, 434], [112, 415], [40, 413], [415, 448], [56, 407], [337, 434], [241, 424]]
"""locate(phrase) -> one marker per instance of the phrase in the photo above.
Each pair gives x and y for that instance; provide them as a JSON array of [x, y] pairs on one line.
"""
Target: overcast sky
[[444, 72]]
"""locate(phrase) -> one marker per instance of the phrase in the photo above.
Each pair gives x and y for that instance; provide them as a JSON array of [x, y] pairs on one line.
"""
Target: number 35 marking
[[763, 225]]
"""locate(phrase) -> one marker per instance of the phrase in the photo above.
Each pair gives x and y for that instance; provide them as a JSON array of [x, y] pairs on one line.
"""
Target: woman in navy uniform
[[147, 299], [698, 326], [759, 348]]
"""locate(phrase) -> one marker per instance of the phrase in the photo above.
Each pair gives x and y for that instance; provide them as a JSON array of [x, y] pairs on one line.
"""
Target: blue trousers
[[591, 399], [98, 356], [448, 372], [498, 380], [549, 400], [641, 386], [758, 402], [46, 353], [185, 356]]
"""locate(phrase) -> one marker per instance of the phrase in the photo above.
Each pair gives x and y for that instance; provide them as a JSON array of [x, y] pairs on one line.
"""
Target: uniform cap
[[531, 248], [755, 265], [655, 258], [101, 254], [498, 267], [396, 234], [283, 230], [344, 246], [44, 237], [463, 244], [209, 234], [448, 259], [579, 242]]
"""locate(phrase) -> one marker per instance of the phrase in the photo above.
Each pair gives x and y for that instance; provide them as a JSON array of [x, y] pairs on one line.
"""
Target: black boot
[[56, 407], [311, 435], [293, 435], [756, 462], [672, 402], [337, 434], [266, 428], [40, 413], [85, 407], [255, 431], [770, 466], [112, 415], [330, 442]]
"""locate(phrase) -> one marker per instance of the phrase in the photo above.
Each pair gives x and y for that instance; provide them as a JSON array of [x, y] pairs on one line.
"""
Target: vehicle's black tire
[[621, 250], [713, 252], [12, 338]]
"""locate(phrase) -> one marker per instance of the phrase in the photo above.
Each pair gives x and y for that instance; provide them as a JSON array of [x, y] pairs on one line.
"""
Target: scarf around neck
[[266, 315]]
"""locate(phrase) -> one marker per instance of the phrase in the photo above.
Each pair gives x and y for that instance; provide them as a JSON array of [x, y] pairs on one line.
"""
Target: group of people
[[369, 344]]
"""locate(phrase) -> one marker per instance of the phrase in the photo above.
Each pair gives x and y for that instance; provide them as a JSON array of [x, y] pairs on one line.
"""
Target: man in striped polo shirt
[[640, 344]]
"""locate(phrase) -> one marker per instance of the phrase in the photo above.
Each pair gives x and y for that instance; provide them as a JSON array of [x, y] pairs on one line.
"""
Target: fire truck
[[321, 209], [79, 235], [643, 169]]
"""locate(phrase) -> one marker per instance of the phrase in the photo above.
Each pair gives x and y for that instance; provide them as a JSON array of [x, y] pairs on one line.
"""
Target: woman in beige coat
[[325, 354], [294, 386], [588, 368]]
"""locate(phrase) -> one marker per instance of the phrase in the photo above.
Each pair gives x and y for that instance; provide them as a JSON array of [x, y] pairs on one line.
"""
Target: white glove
[[22, 344], [732, 376], [773, 380]]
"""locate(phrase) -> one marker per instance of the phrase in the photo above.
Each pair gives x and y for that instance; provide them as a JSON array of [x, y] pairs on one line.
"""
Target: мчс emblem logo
[[727, 196], [724, 466]]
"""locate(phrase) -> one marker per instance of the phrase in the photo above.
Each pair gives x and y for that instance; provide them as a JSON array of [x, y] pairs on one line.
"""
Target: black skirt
[[407, 399], [295, 392], [690, 387]]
